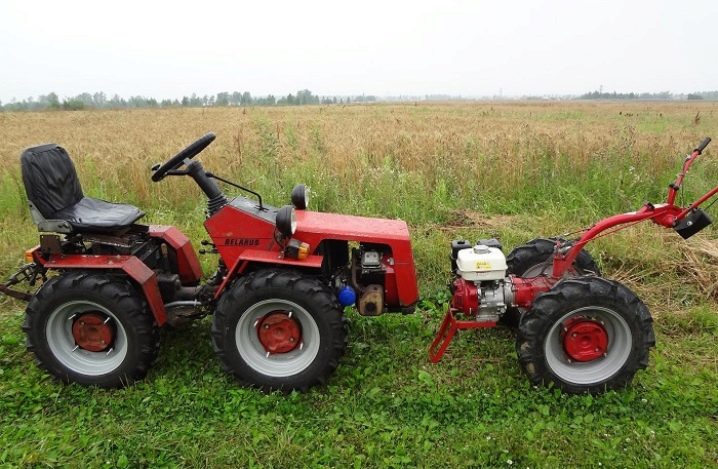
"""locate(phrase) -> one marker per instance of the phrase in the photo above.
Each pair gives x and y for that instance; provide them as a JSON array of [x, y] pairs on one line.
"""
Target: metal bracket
[[27, 273], [448, 329], [48, 226]]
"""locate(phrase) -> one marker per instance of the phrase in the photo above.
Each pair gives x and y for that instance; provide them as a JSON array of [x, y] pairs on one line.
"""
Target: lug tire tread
[[571, 294], [121, 297], [242, 294]]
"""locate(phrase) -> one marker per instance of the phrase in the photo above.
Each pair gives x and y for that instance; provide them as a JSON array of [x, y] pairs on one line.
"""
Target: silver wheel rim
[[61, 342], [546, 268], [278, 365], [538, 269], [620, 343]]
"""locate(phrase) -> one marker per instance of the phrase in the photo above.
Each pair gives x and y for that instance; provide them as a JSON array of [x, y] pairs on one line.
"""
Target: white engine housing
[[481, 263]]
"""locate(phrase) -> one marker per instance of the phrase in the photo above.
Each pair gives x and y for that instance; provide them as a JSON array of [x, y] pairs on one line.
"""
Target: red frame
[[448, 329], [188, 266], [666, 215]]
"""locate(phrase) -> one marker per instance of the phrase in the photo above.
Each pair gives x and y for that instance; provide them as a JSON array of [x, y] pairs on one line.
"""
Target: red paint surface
[[231, 223], [465, 297], [132, 266], [278, 333], [584, 339], [92, 333], [189, 269], [448, 329]]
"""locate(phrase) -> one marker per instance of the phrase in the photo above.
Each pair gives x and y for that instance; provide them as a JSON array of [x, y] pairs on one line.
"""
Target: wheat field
[[514, 170]]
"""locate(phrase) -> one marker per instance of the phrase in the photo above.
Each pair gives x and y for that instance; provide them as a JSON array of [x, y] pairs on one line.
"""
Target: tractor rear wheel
[[585, 335], [279, 330], [91, 329], [534, 259]]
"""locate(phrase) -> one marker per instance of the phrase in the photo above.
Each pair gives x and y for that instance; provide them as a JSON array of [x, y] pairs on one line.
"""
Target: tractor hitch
[[27, 273], [449, 326], [18, 295]]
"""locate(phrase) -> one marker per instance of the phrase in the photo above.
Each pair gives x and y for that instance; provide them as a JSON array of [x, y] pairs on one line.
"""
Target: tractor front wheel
[[279, 330], [586, 335], [91, 329]]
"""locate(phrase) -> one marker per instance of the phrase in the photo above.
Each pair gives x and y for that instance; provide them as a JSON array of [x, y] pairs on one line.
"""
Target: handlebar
[[703, 145], [675, 186]]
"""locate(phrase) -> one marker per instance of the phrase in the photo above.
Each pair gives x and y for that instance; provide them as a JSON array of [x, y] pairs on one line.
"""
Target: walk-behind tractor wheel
[[535, 258], [279, 330], [92, 329], [587, 334]]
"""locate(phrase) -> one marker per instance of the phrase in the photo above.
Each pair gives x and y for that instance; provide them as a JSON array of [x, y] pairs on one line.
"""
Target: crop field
[[510, 170]]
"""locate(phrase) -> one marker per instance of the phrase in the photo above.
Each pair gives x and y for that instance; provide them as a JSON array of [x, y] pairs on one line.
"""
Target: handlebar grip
[[703, 145]]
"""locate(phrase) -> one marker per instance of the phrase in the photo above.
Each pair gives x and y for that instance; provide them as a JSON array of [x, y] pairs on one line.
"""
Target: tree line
[[100, 100], [661, 96]]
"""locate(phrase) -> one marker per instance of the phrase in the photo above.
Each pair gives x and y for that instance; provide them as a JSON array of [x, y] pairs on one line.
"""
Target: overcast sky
[[470, 48]]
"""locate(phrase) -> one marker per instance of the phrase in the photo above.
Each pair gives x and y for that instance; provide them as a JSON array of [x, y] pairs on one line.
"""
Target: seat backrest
[[50, 179]]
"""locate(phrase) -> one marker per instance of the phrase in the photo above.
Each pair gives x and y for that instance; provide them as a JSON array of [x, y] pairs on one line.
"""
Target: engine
[[481, 289]]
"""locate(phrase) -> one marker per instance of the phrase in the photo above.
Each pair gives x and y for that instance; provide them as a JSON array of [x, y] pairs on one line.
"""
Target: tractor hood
[[315, 227], [350, 228]]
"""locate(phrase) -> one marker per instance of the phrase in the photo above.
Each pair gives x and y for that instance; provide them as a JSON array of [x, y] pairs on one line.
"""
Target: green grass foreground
[[515, 171], [385, 407]]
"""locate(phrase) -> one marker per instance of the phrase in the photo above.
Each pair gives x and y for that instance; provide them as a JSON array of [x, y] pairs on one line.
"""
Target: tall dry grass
[[549, 166]]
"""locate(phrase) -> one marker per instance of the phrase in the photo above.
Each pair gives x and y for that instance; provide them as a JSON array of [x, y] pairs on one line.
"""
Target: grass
[[512, 170]]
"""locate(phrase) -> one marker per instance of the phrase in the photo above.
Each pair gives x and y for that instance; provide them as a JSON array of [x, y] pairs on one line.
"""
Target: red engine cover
[[466, 297]]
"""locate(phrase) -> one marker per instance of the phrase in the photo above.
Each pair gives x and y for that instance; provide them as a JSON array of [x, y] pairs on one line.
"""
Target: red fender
[[270, 258], [188, 266], [132, 266]]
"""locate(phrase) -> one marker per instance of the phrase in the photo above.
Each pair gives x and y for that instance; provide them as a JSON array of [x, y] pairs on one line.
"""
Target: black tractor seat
[[57, 203]]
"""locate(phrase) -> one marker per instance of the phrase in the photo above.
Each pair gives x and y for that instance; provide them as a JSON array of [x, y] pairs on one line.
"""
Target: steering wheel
[[187, 154]]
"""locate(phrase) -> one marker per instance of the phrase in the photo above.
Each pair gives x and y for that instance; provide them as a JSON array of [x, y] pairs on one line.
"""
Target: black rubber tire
[[119, 296], [529, 257], [309, 293], [573, 294], [538, 251]]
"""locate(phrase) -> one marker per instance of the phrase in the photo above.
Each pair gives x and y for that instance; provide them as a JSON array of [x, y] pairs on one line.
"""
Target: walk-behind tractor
[[577, 330], [284, 277]]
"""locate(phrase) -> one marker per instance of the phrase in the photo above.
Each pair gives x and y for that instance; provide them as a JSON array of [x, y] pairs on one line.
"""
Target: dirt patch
[[470, 218]]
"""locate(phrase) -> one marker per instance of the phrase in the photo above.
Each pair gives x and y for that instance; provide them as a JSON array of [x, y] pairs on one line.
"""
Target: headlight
[[300, 196], [286, 220]]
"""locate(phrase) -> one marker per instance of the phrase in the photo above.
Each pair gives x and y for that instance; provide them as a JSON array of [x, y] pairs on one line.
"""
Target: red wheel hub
[[93, 332], [279, 332], [584, 339]]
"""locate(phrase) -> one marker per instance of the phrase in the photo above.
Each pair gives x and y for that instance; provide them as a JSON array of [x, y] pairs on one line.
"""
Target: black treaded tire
[[117, 295], [532, 259], [309, 294], [586, 296], [538, 251]]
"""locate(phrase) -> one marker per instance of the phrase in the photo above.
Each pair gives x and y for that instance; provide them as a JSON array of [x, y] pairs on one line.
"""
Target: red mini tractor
[[285, 275], [283, 279]]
